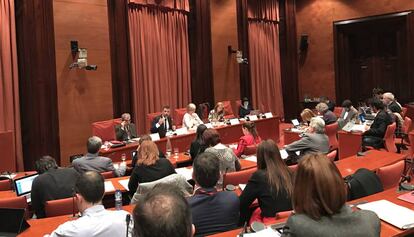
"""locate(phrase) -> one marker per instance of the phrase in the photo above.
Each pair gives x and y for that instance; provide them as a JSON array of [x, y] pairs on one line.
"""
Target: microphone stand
[[128, 219]]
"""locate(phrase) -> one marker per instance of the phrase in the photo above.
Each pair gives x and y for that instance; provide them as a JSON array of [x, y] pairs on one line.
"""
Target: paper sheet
[[263, 233], [187, 173], [242, 186], [109, 187], [124, 183], [252, 158]]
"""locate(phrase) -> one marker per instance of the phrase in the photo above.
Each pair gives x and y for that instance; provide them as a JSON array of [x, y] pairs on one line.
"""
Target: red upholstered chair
[[337, 111], [331, 131], [406, 128], [105, 129], [61, 207], [411, 150], [15, 202], [256, 216], [390, 175], [239, 177], [250, 150], [5, 185], [108, 174], [332, 155], [151, 117], [178, 116], [228, 111], [403, 111], [389, 138]]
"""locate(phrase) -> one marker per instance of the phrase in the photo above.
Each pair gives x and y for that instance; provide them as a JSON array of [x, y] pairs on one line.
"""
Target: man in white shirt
[[95, 220], [191, 119]]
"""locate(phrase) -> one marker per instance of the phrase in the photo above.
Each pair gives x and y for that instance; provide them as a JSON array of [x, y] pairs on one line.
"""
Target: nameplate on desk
[[124, 183], [252, 117], [234, 121], [268, 115], [155, 136]]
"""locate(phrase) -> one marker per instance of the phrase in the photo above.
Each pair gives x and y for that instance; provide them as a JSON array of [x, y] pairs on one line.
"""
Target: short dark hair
[[347, 104], [376, 103], [45, 163], [211, 137], [165, 107], [206, 170], [162, 212], [94, 144], [90, 186]]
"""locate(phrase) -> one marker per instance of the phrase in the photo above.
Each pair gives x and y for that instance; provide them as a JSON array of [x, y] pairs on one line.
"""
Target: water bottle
[[168, 148], [118, 199]]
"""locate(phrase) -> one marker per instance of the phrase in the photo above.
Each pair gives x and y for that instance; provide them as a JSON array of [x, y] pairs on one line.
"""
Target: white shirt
[[95, 221], [191, 121]]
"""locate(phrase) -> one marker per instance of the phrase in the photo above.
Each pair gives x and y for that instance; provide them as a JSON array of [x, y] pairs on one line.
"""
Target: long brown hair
[[277, 173], [251, 127], [148, 153], [306, 115], [319, 188]]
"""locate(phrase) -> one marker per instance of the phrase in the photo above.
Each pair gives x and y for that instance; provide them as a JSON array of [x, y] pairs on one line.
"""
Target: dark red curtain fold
[[183, 5], [262, 10], [9, 82], [160, 60]]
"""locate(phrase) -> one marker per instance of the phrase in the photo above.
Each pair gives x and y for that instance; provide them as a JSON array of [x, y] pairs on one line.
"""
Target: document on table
[[11, 176], [109, 187], [285, 155], [263, 233], [392, 213], [251, 158], [186, 172], [124, 183]]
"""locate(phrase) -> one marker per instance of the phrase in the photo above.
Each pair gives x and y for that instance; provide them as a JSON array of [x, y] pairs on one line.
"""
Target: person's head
[[166, 111], [219, 108], [377, 93], [249, 128], [163, 211], [200, 131], [191, 108], [269, 159], [322, 108], [143, 138], [148, 153], [45, 163], [388, 98], [211, 137], [317, 125], [93, 144], [376, 104], [90, 189], [347, 104], [319, 188], [306, 115], [126, 117], [245, 101], [206, 170]]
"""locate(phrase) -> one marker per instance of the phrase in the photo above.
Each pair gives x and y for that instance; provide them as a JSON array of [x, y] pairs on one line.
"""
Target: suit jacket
[[310, 142], [243, 111], [360, 223], [51, 185], [122, 135], [93, 162], [379, 126], [214, 211], [395, 107], [352, 114], [162, 130], [270, 202]]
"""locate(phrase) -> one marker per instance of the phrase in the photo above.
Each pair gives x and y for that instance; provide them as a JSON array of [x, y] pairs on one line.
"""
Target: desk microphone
[[128, 219], [244, 230]]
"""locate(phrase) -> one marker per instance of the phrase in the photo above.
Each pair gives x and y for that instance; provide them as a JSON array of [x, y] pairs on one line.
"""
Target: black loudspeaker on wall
[[303, 44]]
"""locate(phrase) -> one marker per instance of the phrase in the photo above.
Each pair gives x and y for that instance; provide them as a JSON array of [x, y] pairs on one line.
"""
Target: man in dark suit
[[52, 183], [391, 103], [162, 123], [126, 130]]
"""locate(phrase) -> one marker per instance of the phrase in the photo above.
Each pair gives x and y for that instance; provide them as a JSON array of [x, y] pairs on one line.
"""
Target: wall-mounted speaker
[[303, 44]]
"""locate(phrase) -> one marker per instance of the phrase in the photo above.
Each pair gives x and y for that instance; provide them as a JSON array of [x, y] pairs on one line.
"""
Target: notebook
[[408, 197], [23, 186]]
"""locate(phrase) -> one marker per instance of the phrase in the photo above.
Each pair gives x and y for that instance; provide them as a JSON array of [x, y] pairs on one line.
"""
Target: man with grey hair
[[391, 103], [314, 140], [328, 116], [92, 161], [126, 130]]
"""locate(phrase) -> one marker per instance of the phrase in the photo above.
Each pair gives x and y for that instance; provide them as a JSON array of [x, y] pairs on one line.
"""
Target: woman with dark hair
[[250, 138], [271, 184], [197, 146], [319, 197]]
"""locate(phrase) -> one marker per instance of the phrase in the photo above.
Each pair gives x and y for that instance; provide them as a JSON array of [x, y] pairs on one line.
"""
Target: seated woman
[[217, 114], [197, 146], [250, 138], [191, 119], [328, 116], [319, 197], [271, 184], [228, 160], [349, 113], [307, 115], [245, 108], [149, 166]]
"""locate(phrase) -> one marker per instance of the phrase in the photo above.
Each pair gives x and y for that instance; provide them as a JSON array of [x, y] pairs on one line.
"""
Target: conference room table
[[268, 128]]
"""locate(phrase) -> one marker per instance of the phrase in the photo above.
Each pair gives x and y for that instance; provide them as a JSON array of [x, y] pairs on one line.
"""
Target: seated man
[[92, 161], [51, 184], [391, 103], [375, 135], [328, 116], [95, 219], [163, 212], [162, 123], [245, 107], [349, 113], [213, 211], [315, 140], [126, 130]]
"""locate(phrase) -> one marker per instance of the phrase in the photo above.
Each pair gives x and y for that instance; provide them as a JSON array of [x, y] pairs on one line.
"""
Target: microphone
[[128, 219], [244, 230]]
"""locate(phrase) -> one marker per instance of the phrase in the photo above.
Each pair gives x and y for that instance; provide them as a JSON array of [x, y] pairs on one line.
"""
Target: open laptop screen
[[24, 185], [295, 122]]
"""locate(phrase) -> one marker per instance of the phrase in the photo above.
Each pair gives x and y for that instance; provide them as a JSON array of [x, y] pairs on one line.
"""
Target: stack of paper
[[186, 172]]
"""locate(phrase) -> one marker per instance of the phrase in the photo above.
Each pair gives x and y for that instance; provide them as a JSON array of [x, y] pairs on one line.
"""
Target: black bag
[[363, 183]]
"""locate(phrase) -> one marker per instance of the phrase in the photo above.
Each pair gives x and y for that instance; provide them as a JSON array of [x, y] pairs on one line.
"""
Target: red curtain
[[9, 87], [159, 58], [264, 56]]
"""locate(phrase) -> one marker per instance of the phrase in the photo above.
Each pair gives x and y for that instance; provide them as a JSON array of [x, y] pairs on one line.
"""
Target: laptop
[[23, 186], [12, 221], [295, 122]]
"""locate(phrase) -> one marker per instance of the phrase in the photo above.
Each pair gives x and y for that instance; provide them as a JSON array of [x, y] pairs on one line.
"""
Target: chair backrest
[[5, 185], [407, 126], [332, 155], [14, 202], [203, 110], [331, 131], [411, 149], [389, 138], [390, 175], [238, 177], [250, 150], [150, 117], [108, 174], [338, 111], [403, 111], [105, 129], [61, 207], [228, 111], [178, 116]]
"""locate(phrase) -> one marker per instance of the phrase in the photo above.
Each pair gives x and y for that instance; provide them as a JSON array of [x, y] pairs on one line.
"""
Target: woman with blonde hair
[[149, 166], [217, 114], [307, 115]]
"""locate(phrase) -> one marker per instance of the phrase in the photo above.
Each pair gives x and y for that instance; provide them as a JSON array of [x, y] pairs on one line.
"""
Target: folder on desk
[[408, 197]]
